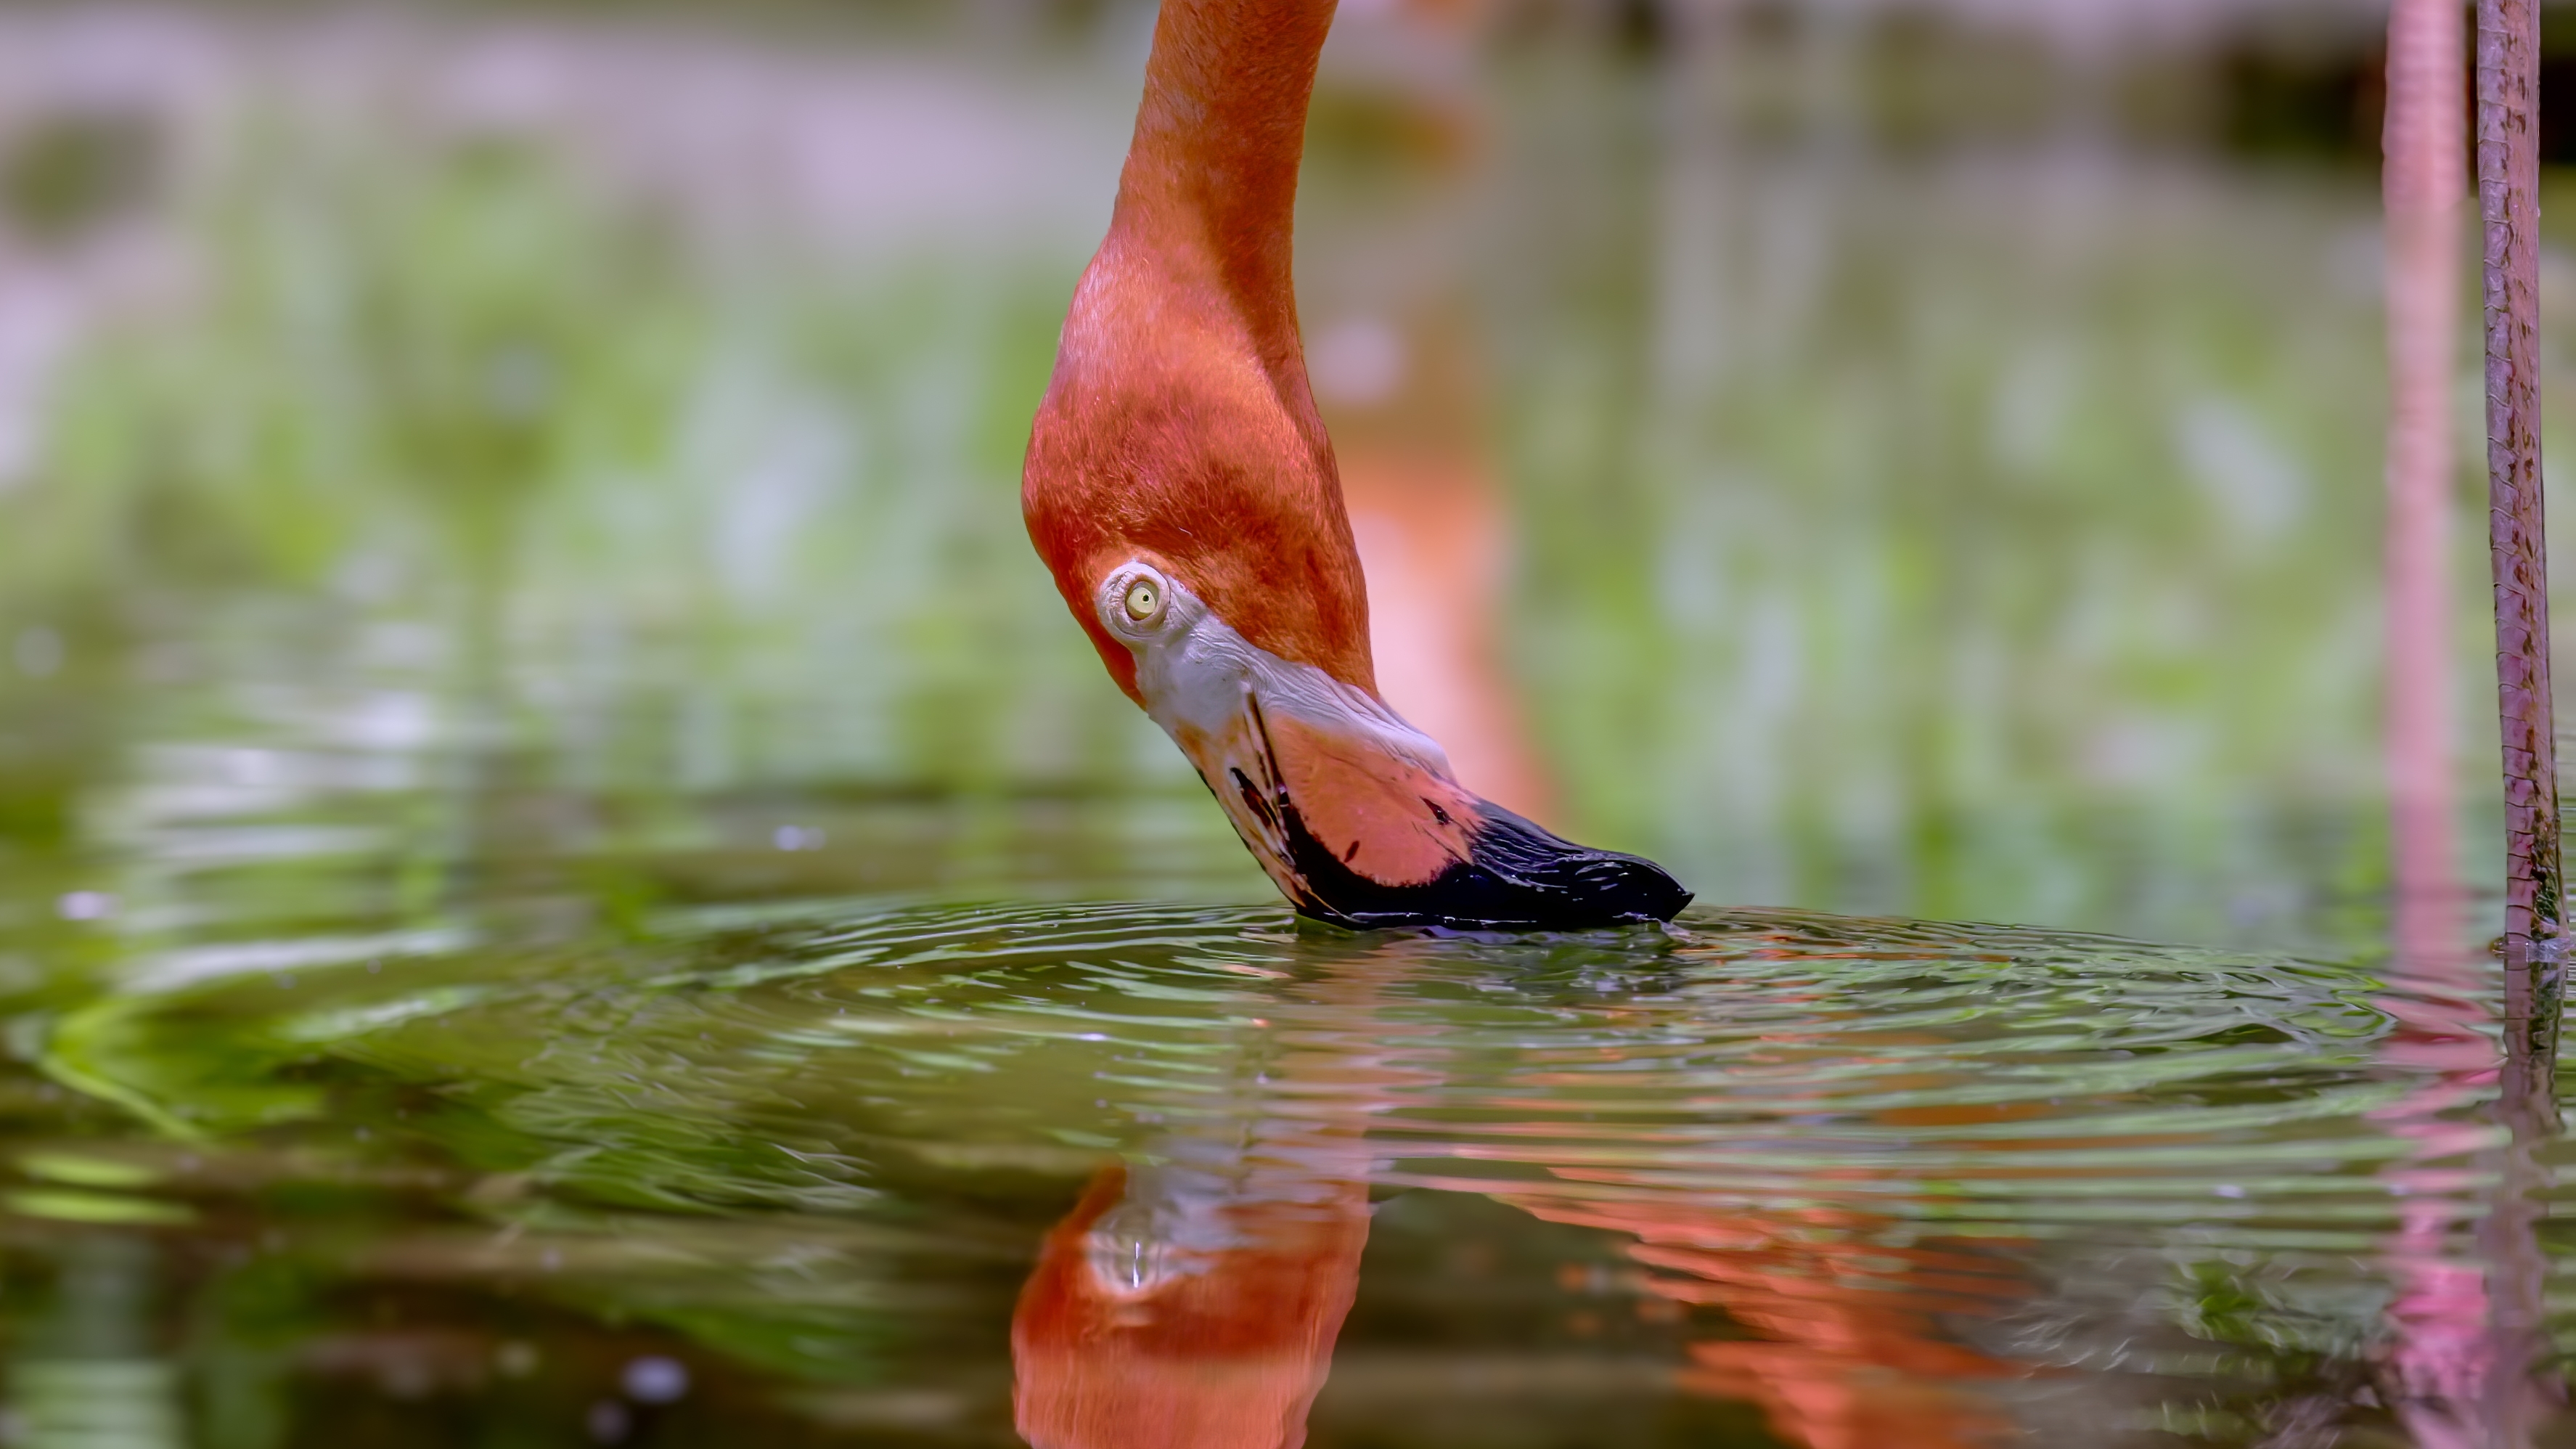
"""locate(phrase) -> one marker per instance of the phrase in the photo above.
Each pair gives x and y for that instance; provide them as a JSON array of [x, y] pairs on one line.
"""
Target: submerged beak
[[1353, 812]]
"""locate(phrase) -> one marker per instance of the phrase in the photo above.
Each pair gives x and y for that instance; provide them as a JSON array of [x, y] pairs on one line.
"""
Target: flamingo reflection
[[1188, 1306], [1193, 1298], [2440, 1351], [1851, 1354], [2465, 1331], [1837, 1314]]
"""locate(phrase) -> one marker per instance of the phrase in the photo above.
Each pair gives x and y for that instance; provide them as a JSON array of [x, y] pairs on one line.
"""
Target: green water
[[564, 877], [1626, 1184]]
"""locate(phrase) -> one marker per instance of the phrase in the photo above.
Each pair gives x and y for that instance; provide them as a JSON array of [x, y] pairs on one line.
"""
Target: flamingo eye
[[1143, 600]]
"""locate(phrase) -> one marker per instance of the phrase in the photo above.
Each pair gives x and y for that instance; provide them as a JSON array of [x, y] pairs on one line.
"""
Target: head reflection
[[1167, 1311], [1193, 1296]]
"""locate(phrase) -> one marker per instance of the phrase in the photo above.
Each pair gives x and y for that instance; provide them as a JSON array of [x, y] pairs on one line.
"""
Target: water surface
[[1762, 1177]]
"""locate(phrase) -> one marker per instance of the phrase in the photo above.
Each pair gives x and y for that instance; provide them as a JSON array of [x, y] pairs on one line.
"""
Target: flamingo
[[1180, 487]]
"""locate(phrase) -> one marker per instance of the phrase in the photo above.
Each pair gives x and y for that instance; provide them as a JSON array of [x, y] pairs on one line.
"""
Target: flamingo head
[[1180, 486]]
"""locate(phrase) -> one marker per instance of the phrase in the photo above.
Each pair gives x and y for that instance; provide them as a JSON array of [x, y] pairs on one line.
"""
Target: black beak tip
[[1518, 877], [1559, 886], [1631, 888]]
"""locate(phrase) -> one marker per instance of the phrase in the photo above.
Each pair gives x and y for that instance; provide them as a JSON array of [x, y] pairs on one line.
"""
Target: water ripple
[[2037, 1148]]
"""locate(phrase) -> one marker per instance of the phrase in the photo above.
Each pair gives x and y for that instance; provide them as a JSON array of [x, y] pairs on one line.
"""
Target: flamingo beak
[[1354, 814], [1361, 831]]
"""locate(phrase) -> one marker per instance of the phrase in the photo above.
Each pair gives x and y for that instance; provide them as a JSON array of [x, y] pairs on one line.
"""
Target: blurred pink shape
[[2422, 184], [2441, 1355]]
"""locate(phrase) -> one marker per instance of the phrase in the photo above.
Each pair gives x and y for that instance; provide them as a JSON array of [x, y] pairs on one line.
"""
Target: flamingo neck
[[1211, 178]]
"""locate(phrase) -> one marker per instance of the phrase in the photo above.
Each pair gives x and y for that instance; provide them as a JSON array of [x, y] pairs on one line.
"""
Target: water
[[1766, 1176], [564, 878]]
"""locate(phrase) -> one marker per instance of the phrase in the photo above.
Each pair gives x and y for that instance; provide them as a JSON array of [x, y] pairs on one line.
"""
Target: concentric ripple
[[1959, 1153]]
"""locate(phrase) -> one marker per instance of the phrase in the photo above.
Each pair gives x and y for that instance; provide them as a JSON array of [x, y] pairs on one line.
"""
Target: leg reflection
[[2439, 1354]]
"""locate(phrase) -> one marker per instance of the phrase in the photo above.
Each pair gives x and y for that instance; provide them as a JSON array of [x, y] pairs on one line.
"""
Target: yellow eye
[[1142, 600]]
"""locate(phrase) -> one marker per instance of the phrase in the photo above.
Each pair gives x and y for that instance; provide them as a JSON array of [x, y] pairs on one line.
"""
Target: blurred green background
[[464, 466]]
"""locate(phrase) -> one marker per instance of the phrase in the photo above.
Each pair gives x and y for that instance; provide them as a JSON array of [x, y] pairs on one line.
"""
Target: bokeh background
[[481, 466]]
